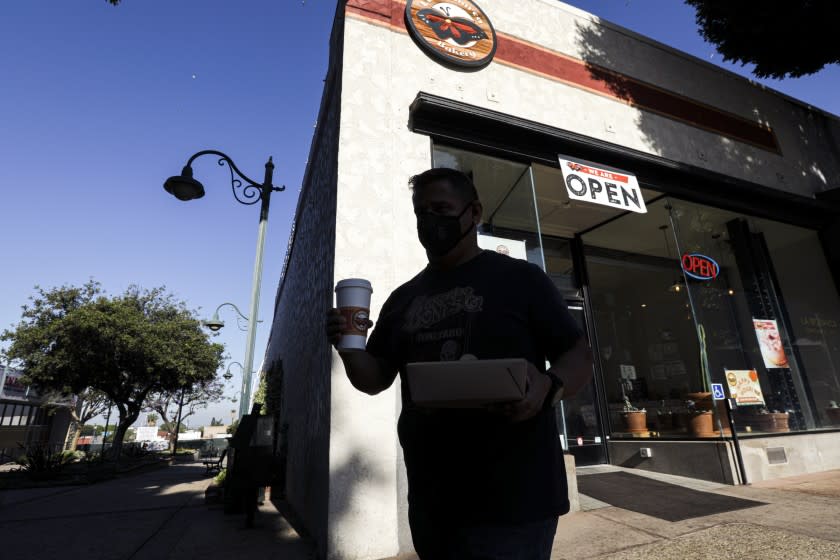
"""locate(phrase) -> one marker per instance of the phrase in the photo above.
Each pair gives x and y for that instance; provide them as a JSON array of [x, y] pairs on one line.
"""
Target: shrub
[[39, 462]]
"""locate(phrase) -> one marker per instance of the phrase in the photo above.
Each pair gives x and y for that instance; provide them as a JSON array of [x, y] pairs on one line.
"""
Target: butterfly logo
[[460, 30]]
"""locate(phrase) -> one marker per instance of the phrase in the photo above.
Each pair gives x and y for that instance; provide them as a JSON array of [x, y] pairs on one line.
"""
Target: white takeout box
[[467, 383]]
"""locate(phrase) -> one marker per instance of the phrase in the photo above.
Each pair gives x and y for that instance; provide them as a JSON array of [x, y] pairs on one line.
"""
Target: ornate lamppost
[[184, 187], [228, 375], [215, 323]]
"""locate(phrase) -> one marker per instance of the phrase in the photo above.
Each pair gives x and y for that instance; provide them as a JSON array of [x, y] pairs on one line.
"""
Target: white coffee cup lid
[[353, 283]]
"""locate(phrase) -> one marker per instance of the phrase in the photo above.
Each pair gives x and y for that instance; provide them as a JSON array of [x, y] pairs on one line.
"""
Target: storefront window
[[678, 299], [505, 188], [812, 313], [759, 316]]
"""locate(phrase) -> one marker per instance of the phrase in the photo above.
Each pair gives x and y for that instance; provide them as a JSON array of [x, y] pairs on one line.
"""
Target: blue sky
[[100, 104]]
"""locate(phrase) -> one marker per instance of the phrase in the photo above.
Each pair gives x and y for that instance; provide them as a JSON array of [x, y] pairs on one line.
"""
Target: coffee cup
[[352, 298]]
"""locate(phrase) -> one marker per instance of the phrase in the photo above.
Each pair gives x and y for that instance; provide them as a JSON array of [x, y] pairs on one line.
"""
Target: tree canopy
[[780, 38], [72, 339], [190, 399]]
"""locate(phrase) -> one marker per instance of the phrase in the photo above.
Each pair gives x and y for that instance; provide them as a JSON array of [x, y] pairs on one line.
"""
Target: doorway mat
[[655, 498]]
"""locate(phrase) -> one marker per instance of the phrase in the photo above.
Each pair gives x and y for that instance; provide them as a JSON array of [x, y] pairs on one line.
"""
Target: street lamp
[[184, 187], [215, 324], [228, 375]]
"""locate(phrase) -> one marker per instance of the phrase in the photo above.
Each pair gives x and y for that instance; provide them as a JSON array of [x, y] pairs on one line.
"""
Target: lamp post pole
[[184, 187], [245, 397]]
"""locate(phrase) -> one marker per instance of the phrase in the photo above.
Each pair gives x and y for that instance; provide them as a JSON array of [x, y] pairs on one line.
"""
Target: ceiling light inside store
[[731, 292], [677, 286]]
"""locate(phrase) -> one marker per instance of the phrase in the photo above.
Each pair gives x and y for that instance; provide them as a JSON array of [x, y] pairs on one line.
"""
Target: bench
[[214, 465]]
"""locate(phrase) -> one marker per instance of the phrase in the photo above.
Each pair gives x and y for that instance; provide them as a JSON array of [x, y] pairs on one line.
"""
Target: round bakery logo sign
[[456, 32]]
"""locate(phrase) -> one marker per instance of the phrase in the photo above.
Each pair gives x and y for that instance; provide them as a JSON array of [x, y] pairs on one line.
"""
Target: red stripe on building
[[520, 54]]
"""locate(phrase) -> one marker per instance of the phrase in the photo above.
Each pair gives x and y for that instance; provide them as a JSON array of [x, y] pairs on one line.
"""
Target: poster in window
[[744, 387], [770, 342], [511, 247]]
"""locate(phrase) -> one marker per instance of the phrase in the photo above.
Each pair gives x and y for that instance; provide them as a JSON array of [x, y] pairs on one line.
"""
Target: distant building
[[24, 417], [147, 433], [210, 432]]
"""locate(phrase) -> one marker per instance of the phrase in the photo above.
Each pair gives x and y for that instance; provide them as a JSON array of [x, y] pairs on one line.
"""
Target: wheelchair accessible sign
[[717, 392]]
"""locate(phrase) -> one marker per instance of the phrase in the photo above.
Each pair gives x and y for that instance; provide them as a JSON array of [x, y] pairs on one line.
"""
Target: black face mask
[[440, 234]]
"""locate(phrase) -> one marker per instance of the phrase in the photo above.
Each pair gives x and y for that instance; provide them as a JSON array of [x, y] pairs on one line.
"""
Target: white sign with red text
[[599, 184]]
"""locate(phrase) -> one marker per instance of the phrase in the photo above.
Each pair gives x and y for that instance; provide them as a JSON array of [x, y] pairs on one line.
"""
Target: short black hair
[[461, 182]]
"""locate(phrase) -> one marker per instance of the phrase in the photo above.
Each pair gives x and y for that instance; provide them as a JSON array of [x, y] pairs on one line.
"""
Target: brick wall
[[297, 357]]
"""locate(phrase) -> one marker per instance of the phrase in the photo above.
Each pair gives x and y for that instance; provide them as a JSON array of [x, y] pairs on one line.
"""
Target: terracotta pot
[[720, 413], [833, 415], [700, 424], [636, 422], [771, 422]]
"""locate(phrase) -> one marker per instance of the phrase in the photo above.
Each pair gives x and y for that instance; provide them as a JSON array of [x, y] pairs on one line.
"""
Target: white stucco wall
[[375, 238]]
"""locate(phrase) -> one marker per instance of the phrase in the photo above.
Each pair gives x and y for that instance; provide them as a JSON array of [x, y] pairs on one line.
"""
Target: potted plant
[[833, 413], [775, 421], [699, 420], [635, 419], [214, 493], [665, 417], [702, 399]]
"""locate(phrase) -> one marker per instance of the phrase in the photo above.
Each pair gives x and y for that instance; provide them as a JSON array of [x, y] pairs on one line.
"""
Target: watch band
[[555, 393]]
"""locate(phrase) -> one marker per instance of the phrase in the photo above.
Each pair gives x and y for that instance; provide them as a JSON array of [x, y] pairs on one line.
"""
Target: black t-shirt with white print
[[469, 466]]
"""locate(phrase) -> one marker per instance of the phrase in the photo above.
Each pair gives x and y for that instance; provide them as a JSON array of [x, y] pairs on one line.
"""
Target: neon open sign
[[700, 267]]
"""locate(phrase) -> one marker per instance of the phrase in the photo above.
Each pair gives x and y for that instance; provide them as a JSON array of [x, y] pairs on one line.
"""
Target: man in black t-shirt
[[487, 483]]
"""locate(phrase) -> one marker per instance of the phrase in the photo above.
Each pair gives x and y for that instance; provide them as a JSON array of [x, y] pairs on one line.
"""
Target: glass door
[[647, 348], [579, 418]]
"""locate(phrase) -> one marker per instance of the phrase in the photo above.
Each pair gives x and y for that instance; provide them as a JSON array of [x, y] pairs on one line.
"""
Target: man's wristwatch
[[555, 393]]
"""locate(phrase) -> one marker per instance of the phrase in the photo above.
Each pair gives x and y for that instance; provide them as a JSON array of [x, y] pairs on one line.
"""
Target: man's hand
[[366, 372], [336, 323], [574, 368], [537, 386]]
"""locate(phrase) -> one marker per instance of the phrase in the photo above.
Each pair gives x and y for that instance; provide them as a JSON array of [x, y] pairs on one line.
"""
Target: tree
[[781, 38], [260, 393], [189, 399], [233, 425], [89, 404], [169, 427], [151, 419], [71, 339], [215, 422]]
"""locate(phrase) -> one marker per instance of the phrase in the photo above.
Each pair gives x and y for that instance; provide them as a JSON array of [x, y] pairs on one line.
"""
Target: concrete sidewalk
[[161, 514], [158, 514], [800, 519]]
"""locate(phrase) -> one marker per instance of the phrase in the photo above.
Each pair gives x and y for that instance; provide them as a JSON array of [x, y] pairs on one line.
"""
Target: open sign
[[700, 267], [599, 184]]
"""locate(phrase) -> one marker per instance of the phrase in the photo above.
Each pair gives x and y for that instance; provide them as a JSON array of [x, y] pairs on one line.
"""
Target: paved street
[[153, 515]]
